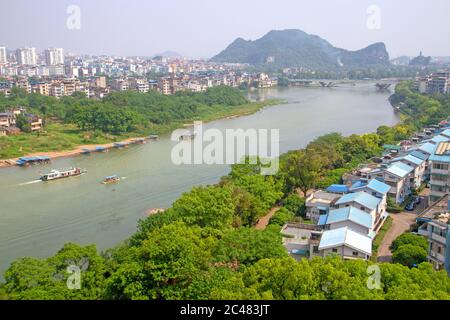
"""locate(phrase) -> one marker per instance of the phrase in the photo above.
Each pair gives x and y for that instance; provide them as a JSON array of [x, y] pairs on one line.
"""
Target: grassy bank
[[59, 136]]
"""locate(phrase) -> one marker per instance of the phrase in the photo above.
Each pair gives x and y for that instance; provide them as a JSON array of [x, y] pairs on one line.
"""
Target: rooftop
[[347, 237], [338, 188], [428, 147], [378, 186], [400, 169], [322, 196], [362, 198], [349, 213]]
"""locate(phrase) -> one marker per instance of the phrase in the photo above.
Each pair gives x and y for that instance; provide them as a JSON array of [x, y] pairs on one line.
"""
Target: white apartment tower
[[54, 56], [26, 56], [3, 57]]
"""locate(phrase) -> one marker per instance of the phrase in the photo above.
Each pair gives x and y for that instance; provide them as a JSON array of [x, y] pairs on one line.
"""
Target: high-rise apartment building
[[54, 56], [26, 56], [3, 57]]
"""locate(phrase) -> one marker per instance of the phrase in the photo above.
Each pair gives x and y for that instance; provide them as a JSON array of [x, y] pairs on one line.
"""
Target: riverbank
[[68, 153], [67, 139]]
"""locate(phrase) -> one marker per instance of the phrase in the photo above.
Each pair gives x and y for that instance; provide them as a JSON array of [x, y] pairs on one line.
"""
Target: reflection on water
[[37, 218]]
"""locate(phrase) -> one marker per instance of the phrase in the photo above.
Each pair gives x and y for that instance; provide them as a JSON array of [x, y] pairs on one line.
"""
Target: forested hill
[[295, 48]]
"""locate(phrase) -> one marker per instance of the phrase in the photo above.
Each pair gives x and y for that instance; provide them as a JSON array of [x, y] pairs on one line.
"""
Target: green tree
[[409, 255], [409, 238]]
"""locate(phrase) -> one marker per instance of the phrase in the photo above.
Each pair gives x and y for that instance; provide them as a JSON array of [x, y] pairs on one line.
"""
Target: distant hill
[[295, 48], [169, 54], [420, 60]]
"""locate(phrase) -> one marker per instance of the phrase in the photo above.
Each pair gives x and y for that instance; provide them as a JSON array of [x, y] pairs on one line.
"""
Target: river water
[[37, 218]]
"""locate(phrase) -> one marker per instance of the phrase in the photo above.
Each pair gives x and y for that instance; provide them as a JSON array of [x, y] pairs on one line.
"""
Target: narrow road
[[264, 221], [401, 223]]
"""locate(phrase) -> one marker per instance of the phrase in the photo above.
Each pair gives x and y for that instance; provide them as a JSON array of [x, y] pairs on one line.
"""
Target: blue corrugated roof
[[440, 158], [419, 155], [345, 236], [358, 184], [415, 160], [362, 198], [350, 213], [400, 169], [428, 148], [337, 188], [438, 139], [446, 132], [379, 186]]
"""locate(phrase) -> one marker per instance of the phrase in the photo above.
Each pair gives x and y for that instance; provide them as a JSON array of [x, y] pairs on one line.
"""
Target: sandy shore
[[68, 153]]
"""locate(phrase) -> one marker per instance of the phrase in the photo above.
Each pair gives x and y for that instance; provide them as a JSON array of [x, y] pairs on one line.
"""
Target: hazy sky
[[202, 28]]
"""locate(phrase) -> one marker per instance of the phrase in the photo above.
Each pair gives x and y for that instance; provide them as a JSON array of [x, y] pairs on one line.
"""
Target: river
[[37, 218]]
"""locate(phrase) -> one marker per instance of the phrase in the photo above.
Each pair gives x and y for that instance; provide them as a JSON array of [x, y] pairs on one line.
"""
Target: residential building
[[54, 56], [400, 177], [366, 203], [301, 240], [319, 203], [346, 243], [26, 56], [440, 171], [419, 166], [3, 56], [350, 217], [435, 225]]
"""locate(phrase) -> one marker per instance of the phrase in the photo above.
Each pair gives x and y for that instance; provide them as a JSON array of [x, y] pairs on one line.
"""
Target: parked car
[[410, 206], [417, 200]]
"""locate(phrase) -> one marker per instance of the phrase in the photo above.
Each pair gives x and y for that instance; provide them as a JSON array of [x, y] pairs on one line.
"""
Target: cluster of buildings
[[346, 218], [438, 82], [50, 72], [8, 121]]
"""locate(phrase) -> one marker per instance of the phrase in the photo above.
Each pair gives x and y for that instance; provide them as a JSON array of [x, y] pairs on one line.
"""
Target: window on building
[[440, 166], [355, 253], [334, 250]]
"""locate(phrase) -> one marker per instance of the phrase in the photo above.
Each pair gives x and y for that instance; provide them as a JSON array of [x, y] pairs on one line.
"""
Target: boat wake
[[30, 182]]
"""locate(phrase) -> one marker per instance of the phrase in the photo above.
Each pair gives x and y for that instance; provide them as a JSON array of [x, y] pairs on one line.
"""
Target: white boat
[[62, 173]]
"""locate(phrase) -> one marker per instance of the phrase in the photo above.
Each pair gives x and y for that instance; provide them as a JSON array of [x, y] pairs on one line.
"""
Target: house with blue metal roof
[[438, 139], [400, 177], [351, 217], [366, 202], [419, 165], [439, 164], [446, 133], [346, 243], [428, 148], [378, 189], [419, 154]]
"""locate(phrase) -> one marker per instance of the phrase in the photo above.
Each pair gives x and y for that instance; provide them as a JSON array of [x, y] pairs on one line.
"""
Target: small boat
[[153, 137], [120, 145], [62, 173], [86, 151], [139, 141], [111, 179], [101, 149]]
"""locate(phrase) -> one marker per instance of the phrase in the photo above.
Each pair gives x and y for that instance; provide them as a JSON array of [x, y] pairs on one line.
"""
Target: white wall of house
[[345, 252]]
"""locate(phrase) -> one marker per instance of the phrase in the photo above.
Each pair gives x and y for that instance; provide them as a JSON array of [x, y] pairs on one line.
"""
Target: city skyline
[[146, 29]]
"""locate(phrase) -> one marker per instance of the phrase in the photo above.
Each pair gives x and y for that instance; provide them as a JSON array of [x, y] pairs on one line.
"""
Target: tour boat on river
[[111, 179], [62, 173]]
